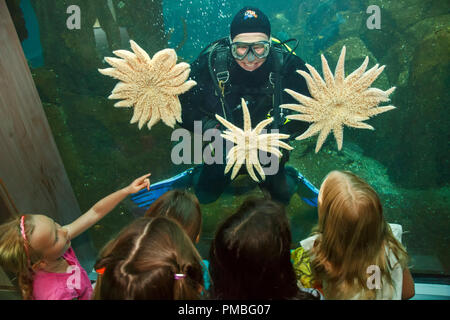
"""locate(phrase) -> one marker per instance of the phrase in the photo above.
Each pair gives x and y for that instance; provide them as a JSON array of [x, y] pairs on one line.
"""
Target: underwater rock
[[280, 18], [328, 33], [355, 54], [315, 166], [46, 82], [431, 55], [377, 40], [423, 28], [72, 53], [429, 80], [144, 22], [422, 101], [417, 62], [312, 17], [283, 29], [353, 24], [398, 19], [401, 15], [73, 164], [302, 147], [320, 14], [397, 61]]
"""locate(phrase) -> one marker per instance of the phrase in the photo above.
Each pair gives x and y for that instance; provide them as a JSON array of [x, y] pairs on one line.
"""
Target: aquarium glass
[[405, 158]]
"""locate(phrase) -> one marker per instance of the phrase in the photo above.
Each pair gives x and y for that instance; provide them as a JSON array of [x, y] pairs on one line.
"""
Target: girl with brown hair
[[151, 259], [250, 255], [181, 206]]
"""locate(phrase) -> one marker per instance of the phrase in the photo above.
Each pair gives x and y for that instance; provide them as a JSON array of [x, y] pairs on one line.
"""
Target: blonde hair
[[13, 255], [353, 235], [143, 261]]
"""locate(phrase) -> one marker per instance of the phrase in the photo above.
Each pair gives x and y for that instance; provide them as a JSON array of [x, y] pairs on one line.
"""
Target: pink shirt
[[74, 284]]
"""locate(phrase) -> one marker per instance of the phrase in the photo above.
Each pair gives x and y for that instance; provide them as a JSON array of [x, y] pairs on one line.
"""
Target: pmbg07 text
[[246, 309]]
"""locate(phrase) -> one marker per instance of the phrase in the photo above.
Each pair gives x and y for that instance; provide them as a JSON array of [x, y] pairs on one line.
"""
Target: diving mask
[[259, 49]]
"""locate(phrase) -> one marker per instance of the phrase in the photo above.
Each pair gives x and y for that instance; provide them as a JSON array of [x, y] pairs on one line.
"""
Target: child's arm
[[408, 285], [104, 206]]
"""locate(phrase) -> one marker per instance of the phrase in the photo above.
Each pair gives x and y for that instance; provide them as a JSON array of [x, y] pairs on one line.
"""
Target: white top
[[385, 292]]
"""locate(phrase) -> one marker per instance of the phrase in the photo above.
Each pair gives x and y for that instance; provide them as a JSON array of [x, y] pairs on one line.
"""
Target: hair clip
[[101, 270], [179, 276]]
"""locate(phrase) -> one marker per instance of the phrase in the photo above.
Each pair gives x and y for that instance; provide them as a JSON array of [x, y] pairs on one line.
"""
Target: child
[[352, 241], [38, 250], [183, 207], [250, 255], [151, 259]]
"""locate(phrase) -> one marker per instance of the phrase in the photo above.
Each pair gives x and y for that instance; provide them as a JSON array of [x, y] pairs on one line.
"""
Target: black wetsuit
[[201, 104]]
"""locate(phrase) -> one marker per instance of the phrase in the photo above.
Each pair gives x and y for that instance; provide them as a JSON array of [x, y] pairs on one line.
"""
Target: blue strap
[[310, 201]]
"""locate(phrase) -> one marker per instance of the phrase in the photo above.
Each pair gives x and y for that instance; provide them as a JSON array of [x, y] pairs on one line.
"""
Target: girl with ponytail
[[151, 259], [39, 250], [15, 252]]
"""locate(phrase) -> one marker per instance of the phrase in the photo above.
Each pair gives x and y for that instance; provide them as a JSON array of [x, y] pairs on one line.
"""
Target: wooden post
[[30, 165], [8, 209]]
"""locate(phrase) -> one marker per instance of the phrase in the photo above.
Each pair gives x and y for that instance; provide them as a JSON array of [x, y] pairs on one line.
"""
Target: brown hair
[[353, 235], [14, 257], [182, 206], [141, 263], [250, 255]]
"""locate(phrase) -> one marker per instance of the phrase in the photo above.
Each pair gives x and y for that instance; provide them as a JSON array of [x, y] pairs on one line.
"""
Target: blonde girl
[[353, 240], [38, 250]]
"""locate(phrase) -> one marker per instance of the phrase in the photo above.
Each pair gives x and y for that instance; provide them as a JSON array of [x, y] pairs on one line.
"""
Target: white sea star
[[152, 85], [248, 142], [338, 101]]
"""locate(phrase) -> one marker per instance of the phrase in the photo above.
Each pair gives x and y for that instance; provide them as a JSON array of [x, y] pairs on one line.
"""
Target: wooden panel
[[30, 164], [5, 283], [8, 209], [8, 290]]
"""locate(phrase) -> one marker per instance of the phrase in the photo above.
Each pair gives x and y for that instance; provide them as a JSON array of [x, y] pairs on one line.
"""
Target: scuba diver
[[252, 65]]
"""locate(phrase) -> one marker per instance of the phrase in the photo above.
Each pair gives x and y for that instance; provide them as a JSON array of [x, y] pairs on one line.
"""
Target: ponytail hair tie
[[101, 270], [179, 276]]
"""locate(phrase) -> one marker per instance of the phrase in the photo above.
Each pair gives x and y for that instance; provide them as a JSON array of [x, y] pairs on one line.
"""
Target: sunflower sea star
[[338, 100], [248, 142], [150, 85]]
